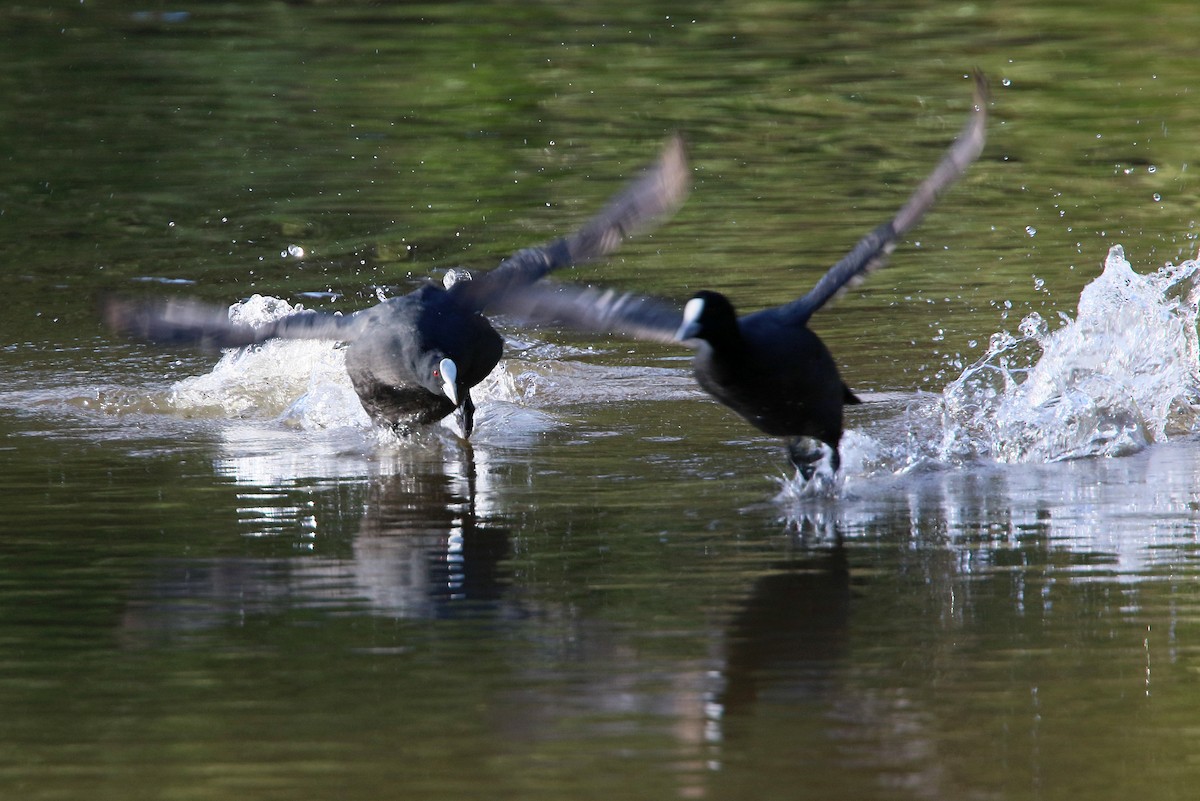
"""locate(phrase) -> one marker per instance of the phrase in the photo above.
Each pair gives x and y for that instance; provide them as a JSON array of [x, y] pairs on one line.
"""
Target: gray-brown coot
[[413, 359], [766, 366]]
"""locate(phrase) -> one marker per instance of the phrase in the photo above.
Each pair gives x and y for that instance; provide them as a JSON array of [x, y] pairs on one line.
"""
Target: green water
[[601, 599]]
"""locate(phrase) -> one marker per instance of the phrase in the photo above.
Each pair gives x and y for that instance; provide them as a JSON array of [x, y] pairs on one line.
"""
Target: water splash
[[302, 382], [1124, 373], [1121, 375]]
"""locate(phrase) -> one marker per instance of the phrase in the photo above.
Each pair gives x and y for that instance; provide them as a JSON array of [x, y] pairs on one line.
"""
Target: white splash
[[1120, 376], [1123, 374], [303, 382]]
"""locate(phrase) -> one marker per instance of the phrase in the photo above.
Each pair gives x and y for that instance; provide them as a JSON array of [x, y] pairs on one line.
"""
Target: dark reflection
[[420, 552], [421, 549], [791, 634], [794, 695]]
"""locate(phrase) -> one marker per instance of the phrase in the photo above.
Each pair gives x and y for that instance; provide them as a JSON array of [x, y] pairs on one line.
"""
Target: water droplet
[[1157, 197], [1029, 229], [1033, 326]]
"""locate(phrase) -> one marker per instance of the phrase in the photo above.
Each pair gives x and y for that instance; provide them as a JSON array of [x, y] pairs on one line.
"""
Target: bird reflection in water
[[790, 636], [420, 551]]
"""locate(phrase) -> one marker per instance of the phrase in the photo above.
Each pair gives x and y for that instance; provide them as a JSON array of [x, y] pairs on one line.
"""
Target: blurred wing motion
[[645, 202], [642, 204], [641, 317], [595, 309], [189, 322], [872, 250]]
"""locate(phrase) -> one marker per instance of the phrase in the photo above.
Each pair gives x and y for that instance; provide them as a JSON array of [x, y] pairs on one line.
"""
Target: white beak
[[449, 373]]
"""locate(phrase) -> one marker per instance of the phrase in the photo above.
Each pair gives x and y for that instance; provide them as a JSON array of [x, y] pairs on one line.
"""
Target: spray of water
[[304, 385], [1120, 375], [1124, 373], [303, 382]]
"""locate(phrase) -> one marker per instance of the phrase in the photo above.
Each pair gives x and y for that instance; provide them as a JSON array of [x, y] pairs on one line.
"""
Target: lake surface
[[217, 580]]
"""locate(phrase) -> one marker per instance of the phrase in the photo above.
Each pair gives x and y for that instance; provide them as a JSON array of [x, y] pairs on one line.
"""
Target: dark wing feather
[[872, 251], [188, 322], [597, 310], [643, 203]]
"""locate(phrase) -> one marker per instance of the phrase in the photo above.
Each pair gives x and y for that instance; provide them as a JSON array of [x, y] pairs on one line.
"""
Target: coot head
[[709, 316]]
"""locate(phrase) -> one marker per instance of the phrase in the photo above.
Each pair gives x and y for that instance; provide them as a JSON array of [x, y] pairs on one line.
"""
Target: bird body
[[399, 368], [777, 374]]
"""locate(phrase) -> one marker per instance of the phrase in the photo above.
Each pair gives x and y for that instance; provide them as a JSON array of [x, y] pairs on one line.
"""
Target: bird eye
[[437, 373]]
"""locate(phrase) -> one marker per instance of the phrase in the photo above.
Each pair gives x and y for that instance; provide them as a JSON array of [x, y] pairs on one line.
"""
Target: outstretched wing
[[645, 202], [206, 325], [872, 250], [599, 310]]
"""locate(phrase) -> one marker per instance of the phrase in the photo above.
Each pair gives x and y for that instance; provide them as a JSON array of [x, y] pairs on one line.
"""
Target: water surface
[[217, 580]]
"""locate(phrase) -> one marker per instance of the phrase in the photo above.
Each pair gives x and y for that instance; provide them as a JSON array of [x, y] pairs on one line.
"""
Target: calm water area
[[218, 581]]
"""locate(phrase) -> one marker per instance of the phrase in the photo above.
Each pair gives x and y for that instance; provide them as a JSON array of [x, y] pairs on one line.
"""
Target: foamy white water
[[1124, 373], [304, 382]]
